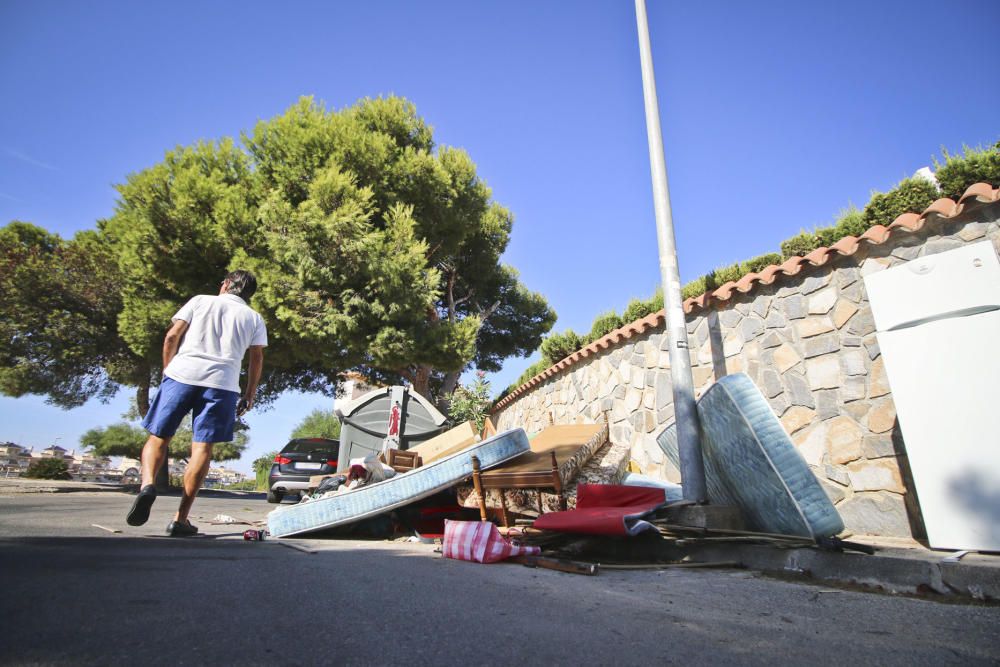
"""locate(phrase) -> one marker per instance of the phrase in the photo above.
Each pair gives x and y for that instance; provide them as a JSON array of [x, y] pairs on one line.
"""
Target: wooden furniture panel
[[556, 456]]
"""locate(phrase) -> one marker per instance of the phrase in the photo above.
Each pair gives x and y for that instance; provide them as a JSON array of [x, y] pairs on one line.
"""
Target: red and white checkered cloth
[[480, 541]]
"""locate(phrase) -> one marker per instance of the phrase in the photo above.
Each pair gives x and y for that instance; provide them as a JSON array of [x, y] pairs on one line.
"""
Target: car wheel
[[273, 497]]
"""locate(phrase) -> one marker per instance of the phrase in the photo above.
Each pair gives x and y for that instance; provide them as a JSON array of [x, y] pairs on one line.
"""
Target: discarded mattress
[[751, 463], [672, 492], [606, 509], [396, 491]]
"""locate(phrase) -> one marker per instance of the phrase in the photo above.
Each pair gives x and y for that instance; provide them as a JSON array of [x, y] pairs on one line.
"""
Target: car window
[[312, 445]]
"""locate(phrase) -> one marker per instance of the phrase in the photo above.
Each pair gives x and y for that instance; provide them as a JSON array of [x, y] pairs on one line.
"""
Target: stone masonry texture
[[808, 342]]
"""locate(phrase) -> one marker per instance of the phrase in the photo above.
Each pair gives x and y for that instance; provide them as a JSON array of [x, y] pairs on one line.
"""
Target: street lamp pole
[[685, 410]]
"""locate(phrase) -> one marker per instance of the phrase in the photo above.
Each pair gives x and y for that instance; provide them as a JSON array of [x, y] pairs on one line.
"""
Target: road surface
[[76, 594]]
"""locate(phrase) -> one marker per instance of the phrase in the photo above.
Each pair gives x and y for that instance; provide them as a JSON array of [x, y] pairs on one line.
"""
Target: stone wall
[[808, 341]]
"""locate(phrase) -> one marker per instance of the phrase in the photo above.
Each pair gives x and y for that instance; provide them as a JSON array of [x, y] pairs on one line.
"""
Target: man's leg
[[154, 455], [194, 475]]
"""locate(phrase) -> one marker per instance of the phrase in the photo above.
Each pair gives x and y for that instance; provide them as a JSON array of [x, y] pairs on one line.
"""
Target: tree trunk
[[422, 382], [447, 389], [142, 398], [450, 382]]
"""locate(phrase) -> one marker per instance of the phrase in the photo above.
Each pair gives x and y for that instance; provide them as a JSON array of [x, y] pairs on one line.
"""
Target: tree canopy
[[384, 251], [317, 424], [125, 439], [59, 303], [376, 251]]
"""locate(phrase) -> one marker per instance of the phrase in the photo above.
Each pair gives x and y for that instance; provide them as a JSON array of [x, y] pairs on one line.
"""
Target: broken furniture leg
[[477, 483]]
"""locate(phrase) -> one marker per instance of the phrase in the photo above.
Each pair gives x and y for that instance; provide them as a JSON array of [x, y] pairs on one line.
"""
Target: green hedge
[[558, 346], [48, 469], [975, 165], [603, 324], [912, 195]]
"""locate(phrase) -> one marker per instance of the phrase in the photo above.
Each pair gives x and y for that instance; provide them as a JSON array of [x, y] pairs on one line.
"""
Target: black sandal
[[181, 529], [139, 514]]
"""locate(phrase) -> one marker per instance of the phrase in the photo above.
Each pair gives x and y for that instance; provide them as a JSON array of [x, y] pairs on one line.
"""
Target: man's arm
[[253, 377], [172, 340]]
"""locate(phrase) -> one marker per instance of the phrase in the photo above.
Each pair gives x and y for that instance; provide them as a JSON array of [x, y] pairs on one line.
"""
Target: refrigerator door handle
[[963, 312]]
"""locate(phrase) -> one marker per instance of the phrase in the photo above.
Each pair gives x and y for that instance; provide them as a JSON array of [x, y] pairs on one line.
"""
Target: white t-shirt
[[220, 329]]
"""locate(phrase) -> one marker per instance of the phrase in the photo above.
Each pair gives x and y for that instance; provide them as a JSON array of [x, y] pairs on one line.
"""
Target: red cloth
[[480, 541], [606, 509]]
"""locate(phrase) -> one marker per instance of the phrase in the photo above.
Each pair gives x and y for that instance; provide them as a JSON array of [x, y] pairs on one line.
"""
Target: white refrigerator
[[938, 327]]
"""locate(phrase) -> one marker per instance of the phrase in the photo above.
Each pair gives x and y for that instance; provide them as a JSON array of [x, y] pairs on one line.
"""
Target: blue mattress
[[396, 491], [751, 463]]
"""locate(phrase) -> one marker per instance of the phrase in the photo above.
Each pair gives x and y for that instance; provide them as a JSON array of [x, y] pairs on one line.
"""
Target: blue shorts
[[214, 411]]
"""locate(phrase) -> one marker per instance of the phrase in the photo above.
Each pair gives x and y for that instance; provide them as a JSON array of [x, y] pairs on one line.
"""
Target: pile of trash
[[362, 471], [544, 492]]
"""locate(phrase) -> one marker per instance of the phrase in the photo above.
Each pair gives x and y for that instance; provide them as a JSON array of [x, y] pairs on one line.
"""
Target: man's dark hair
[[242, 284]]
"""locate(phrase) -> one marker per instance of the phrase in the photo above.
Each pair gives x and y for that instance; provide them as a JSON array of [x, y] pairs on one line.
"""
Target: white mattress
[[751, 463], [396, 491]]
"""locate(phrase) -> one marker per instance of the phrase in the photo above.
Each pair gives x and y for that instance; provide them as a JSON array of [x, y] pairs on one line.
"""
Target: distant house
[[9, 449], [223, 476], [14, 459], [88, 466], [55, 452], [132, 467]]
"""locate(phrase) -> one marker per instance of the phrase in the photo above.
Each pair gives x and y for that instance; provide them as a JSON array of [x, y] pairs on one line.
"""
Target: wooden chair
[[528, 472], [556, 456], [403, 461]]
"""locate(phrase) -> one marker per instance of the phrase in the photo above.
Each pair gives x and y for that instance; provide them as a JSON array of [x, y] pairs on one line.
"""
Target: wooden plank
[[110, 530], [446, 444], [558, 564]]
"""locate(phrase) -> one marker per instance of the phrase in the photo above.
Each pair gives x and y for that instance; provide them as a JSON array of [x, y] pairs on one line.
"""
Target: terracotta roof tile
[[975, 195]]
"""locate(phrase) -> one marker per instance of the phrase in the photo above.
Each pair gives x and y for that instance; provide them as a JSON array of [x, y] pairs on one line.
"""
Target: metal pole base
[[718, 517]]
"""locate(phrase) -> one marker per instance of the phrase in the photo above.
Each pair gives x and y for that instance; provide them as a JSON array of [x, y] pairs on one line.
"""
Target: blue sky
[[775, 116]]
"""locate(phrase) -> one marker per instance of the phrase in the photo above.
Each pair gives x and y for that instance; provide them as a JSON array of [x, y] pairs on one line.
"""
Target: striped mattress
[[751, 463], [397, 491]]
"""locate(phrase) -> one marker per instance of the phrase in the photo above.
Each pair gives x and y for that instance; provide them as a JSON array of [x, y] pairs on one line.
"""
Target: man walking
[[202, 355]]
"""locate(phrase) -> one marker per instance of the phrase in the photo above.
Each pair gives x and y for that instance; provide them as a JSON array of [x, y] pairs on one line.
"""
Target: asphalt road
[[76, 594]]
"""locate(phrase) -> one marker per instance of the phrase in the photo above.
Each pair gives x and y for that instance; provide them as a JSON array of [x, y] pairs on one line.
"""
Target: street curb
[[8, 488], [19, 487], [893, 571]]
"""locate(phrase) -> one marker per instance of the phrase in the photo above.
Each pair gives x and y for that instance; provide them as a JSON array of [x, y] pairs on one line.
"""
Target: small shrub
[[759, 263], [530, 372], [604, 324], [725, 274], [472, 402], [800, 245], [912, 195], [826, 236], [657, 300], [639, 308], [696, 287], [734, 272], [850, 222], [48, 469], [262, 468], [975, 165], [558, 346]]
